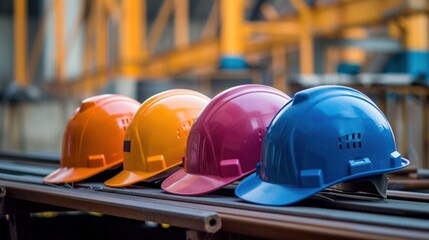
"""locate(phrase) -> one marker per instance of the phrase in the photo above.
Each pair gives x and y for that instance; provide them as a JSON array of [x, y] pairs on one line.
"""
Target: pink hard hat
[[225, 142]]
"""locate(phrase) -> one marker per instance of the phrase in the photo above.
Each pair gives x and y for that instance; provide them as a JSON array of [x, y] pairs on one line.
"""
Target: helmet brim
[[183, 183], [71, 174], [254, 189], [126, 178]]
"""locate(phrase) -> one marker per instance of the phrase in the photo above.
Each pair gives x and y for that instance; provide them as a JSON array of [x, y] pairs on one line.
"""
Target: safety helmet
[[156, 139], [93, 138], [225, 142], [325, 135]]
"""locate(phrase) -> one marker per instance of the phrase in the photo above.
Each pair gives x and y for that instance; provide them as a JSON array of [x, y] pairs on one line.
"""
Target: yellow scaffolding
[[20, 36], [138, 58]]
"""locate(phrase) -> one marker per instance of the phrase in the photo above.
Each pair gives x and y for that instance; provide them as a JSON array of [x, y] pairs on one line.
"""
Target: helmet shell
[[92, 141], [156, 139], [225, 141], [324, 136]]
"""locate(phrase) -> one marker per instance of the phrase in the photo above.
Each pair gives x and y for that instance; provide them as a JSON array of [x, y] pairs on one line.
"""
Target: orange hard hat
[[156, 139], [93, 138]]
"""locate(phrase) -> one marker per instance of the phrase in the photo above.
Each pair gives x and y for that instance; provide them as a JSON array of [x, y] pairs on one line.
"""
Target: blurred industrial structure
[[67, 50], [54, 53]]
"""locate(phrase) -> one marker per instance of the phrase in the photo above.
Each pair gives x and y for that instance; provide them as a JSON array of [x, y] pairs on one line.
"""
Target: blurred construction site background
[[54, 53]]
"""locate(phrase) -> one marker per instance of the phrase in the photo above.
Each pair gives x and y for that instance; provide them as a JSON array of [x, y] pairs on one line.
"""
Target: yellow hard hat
[[92, 141], [156, 138]]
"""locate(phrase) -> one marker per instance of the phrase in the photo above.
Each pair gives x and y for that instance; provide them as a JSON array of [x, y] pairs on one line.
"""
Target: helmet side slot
[[350, 141]]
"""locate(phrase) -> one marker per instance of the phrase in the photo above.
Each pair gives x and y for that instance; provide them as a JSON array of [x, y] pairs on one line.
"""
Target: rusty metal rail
[[404, 215], [139, 209], [410, 196], [286, 222], [31, 157], [315, 207]]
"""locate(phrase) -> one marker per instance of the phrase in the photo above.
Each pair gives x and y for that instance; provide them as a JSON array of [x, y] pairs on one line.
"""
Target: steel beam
[[133, 36], [232, 18], [60, 50], [115, 205], [181, 23], [20, 40]]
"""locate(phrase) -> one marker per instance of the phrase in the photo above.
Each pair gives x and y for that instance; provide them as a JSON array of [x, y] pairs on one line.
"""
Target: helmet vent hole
[[350, 141], [178, 134], [260, 135], [125, 122]]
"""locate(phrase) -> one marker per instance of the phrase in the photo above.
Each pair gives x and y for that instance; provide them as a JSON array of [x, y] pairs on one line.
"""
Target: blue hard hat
[[324, 136]]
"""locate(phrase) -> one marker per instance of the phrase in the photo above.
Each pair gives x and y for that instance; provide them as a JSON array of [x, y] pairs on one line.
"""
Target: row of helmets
[[288, 149]]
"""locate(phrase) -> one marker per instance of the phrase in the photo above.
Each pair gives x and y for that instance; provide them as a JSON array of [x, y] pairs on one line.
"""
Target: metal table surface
[[404, 215], [213, 213]]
